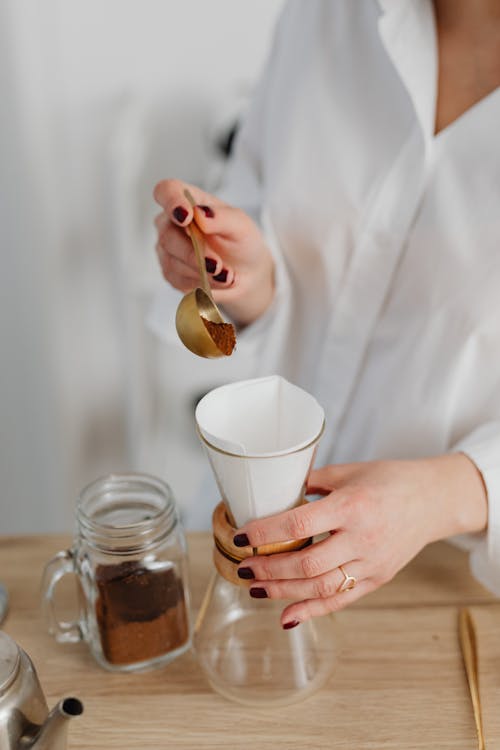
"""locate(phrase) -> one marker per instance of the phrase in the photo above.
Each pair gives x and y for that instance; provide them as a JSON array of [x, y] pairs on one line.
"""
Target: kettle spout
[[52, 735]]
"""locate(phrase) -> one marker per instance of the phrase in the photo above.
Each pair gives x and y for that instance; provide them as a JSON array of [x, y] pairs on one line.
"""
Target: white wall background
[[98, 100]]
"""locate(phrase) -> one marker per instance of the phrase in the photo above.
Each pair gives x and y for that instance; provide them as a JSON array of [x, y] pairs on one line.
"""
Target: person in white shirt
[[358, 237]]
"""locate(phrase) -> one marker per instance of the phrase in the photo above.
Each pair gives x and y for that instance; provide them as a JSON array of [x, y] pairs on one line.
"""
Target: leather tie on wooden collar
[[227, 556]]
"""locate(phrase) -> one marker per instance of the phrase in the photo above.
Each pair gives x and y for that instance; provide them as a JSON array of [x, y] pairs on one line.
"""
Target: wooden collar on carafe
[[227, 556]]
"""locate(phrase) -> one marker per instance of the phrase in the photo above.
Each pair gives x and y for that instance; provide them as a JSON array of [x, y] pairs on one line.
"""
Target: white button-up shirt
[[386, 240]]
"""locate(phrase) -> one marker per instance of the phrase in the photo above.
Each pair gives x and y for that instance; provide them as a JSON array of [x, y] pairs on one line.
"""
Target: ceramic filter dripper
[[260, 436]]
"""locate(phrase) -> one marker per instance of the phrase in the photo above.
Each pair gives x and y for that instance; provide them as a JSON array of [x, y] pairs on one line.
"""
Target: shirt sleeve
[[482, 446], [243, 187]]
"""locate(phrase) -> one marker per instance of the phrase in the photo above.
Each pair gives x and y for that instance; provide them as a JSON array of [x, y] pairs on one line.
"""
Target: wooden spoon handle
[[468, 644]]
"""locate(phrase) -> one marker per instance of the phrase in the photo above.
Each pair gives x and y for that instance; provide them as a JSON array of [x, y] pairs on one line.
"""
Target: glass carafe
[[260, 437], [245, 653]]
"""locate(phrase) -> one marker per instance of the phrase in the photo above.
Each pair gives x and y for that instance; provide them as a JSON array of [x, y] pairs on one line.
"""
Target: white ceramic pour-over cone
[[260, 436]]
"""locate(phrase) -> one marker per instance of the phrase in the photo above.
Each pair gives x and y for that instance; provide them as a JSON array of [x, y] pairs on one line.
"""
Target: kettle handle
[[60, 565]]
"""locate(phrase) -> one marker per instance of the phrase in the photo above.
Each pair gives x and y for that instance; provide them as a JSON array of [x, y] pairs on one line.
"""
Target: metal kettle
[[25, 721]]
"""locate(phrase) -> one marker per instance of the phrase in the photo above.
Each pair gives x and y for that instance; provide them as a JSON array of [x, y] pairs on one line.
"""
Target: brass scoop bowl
[[198, 306]]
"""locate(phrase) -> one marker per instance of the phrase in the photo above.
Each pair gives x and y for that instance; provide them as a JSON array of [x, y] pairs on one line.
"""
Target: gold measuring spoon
[[199, 324], [468, 644]]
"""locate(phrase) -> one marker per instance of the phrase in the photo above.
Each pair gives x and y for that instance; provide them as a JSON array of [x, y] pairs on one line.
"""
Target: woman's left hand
[[378, 516]]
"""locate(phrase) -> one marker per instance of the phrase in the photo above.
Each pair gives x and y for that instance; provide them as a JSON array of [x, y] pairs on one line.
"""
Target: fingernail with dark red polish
[[246, 573], [179, 213], [291, 624], [209, 213], [241, 540], [222, 276], [210, 265], [258, 593]]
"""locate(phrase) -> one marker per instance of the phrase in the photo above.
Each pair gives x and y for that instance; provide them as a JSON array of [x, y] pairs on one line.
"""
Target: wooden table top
[[400, 681]]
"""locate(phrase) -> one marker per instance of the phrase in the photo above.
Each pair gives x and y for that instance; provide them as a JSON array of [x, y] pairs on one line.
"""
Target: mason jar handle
[[60, 565]]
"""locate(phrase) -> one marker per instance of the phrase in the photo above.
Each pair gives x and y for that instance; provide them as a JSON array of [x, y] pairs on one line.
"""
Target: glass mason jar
[[129, 557]]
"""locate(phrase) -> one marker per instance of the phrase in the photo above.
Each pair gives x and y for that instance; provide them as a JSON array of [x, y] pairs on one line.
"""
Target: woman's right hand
[[239, 264]]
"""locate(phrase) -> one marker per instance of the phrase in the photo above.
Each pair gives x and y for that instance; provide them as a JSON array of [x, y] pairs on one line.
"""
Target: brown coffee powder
[[223, 335], [141, 612]]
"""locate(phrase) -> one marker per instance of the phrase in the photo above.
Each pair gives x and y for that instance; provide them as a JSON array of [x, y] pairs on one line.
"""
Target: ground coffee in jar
[[140, 611], [129, 555]]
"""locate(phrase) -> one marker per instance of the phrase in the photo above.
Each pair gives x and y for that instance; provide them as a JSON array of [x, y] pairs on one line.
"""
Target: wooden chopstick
[[468, 644]]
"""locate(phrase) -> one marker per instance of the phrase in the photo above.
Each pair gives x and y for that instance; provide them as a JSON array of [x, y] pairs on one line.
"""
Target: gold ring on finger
[[348, 583]]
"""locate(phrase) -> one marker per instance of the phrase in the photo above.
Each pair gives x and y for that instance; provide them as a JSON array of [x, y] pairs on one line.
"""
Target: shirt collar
[[408, 31]]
